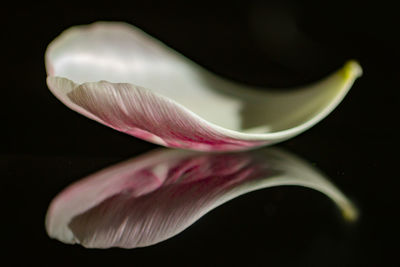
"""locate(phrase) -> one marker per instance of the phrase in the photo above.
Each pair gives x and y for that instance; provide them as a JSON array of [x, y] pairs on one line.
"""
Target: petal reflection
[[153, 197]]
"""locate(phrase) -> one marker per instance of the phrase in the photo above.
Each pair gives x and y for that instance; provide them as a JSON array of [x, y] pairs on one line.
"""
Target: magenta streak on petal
[[141, 113]]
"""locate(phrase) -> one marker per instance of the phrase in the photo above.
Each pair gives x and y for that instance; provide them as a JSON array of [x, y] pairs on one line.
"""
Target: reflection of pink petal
[[146, 200], [117, 75]]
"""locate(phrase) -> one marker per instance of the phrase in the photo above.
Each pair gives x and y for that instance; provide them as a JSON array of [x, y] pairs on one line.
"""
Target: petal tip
[[350, 212], [352, 69]]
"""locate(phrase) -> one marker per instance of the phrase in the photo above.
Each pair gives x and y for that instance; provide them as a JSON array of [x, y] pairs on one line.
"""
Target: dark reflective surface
[[46, 147]]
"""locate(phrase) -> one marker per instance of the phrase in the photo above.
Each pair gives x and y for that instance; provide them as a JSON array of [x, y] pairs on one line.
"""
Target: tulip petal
[[153, 197], [119, 76]]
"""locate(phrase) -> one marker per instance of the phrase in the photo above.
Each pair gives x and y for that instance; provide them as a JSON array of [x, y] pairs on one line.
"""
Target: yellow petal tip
[[352, 69], [350, 213]]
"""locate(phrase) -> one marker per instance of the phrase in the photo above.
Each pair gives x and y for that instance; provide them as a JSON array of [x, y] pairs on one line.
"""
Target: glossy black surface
[[46, 146]]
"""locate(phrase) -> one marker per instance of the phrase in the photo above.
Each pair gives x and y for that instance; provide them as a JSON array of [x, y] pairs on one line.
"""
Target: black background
[[45, 146]]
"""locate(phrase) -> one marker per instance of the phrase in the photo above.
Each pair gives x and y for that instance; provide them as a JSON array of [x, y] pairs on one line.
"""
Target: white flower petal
[[123, 78]]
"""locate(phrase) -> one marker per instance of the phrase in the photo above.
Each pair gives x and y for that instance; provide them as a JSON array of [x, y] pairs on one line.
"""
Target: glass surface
[[46, 147]]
